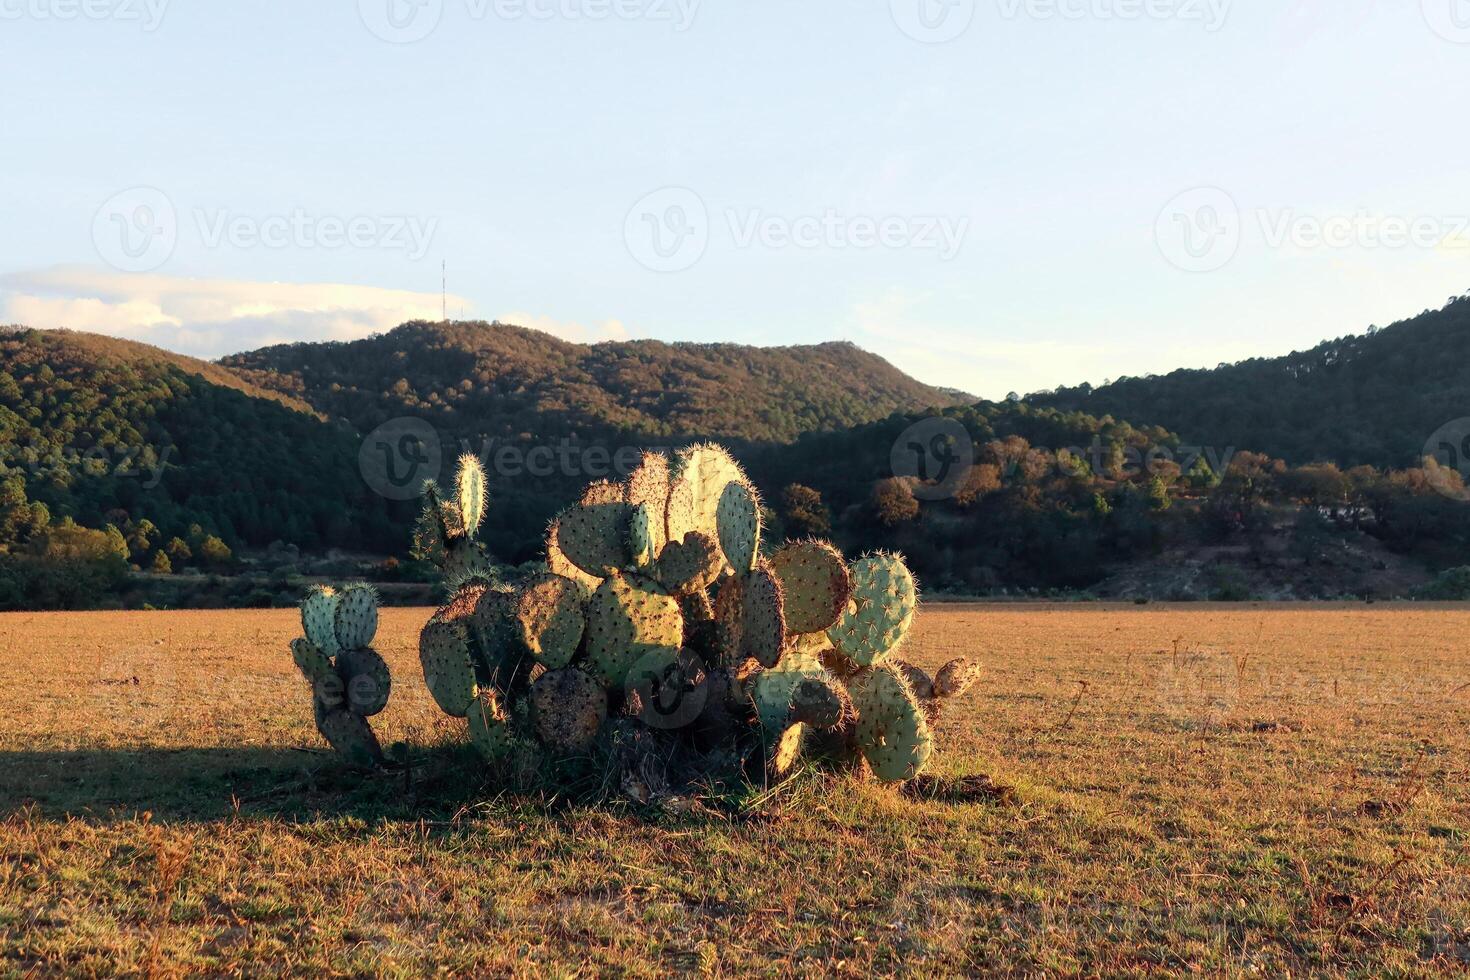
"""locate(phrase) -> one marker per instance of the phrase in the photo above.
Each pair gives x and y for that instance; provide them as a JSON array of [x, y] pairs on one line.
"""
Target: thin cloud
[[214, 317]]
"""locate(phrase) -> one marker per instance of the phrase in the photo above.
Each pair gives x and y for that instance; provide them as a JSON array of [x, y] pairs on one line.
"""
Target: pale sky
[[995, 195]]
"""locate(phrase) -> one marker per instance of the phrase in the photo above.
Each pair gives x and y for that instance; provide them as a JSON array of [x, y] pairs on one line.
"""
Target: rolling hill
[[1373, 398], [478, 380], [265, 446]]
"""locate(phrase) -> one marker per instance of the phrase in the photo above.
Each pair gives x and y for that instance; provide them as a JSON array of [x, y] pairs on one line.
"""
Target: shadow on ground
[[202, 784]]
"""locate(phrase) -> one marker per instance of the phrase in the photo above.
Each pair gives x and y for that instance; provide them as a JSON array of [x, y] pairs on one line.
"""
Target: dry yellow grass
[[1238, 790]]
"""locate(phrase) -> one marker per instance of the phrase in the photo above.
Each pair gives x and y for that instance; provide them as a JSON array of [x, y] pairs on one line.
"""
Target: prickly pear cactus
[[349, 681], [659, 637]]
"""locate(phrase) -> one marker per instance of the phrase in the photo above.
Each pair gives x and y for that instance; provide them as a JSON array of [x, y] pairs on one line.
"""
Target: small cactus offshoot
[[350, 682]]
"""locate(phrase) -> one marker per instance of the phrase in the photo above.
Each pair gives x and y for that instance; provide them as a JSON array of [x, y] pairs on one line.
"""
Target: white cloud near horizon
[[214, 317]]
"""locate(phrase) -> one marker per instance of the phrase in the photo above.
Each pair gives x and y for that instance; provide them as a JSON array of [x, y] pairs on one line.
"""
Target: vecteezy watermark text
[[138, 230], [670, 229], [399, 456], [408, 21], [147, 14], [1202, 230]]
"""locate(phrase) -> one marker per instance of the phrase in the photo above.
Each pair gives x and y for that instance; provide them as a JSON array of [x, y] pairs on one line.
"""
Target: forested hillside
[[479, 380], [1373, 398], [104, 431]]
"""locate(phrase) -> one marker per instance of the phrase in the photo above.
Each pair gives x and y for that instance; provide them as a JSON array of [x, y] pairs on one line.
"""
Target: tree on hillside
[[893, 502], [806, 515]]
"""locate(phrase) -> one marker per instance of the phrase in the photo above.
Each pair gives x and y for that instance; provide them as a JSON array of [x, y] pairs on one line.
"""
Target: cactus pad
[[559, 564], [366, 679], [738, 520], [449, 672], [490, 731], [350, 735], [955, 678], [628, 616], [648, 485], [318, 618], [783, 751], [594, 533], [689, 565], [815, 583], [772, 689], [550, 619], [697, 480], [568, 707], [762, 616], [918, 680], [355, 620], [315, 666], [891, 730], [880, 611], [729, 618], [821, 702], [641, 544], [470, 493]]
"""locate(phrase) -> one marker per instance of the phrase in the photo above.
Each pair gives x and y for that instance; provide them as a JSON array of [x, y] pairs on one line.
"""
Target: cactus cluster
[[663, 627], [349, 681]]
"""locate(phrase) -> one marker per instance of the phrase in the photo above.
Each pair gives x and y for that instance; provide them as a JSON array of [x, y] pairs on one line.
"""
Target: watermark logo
[[933, 21], [1211, 14], [936, 454], [401, 21], [1450, 19], [1199, 230], [672, 690], [148, 14], [668, 230], [398, 456], [136, 230], [1449, 447]]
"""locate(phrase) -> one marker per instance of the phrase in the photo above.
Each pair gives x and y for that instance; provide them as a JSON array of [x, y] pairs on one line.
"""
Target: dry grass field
[[1243, 790]]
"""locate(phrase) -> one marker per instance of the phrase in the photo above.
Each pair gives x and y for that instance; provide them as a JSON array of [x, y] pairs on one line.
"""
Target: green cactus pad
[[318, 618], [470, 493], [815, 582], [350, 735], [568, 708], [594, 533], [315, 666], [559, 564], [648, 485], [366, 679], [449, 672], [490, 731], [550, 618], [697, 480], [628, 616], [762, 616], [891, 730], [738, 520], [689, 565], [641, 545], [772, 689], [355, 621], [880, 611]]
